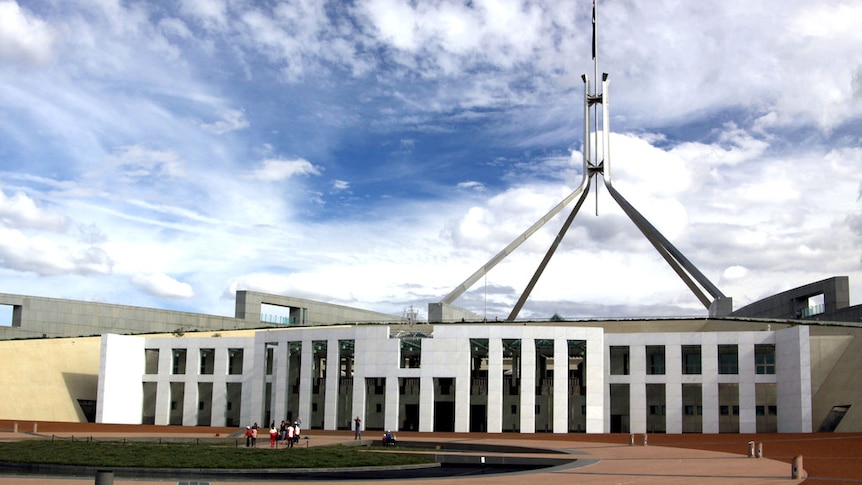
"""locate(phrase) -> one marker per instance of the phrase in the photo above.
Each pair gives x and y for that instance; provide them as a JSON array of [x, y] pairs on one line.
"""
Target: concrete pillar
[[104, 477]]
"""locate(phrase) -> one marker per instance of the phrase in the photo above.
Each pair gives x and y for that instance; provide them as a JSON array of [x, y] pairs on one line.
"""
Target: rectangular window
[[760, 410], [656, 410], [269, 358], [691, 359], [764, 359], [724, 410], [736, 410], [151, 361], [207, 361], [728, 359], [655, 359], [234, 361], [619, 360], [689, 410], [411, 353], [179, 363], [773, 410]]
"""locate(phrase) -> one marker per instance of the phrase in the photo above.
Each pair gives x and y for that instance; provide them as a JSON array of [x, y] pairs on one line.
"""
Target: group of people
[[287, 432]]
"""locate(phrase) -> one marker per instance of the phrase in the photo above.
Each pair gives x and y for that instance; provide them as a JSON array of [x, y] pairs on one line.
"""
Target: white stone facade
[[484, 377]]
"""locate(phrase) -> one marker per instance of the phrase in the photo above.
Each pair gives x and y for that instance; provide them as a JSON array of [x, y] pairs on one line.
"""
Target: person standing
[[357, 428], [254, 429], [247, 436], [290, 431], [273, 435]]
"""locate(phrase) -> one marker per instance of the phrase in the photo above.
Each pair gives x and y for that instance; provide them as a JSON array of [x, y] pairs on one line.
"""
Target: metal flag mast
[[594, 163]]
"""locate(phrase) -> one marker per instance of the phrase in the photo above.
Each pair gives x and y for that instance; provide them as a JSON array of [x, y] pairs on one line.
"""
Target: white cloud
[[48, 256], [24, 37], [444, 129], [275, 170], [138, 162], [231, 120], [21, 211], [471, 185], [162, 285]]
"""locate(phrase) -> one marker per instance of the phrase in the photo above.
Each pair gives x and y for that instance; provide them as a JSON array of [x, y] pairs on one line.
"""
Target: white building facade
[[464, 378]]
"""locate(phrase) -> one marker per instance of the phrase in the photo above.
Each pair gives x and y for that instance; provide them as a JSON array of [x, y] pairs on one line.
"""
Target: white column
[[747, 392], [561, 385], [527, 386], [495, 385], [252, 381], [219, 404], [333, 375], [673, 384], [596, 384], [163, 388], [280, 371], [462, 396], [190, 387], [391, 417], [426, 403], [793, 372], [304, 411], [709, 387], [637, 389]]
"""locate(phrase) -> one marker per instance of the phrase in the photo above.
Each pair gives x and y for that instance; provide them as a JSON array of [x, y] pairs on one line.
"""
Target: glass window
[[728, 359], [411, 353], [234, 361], [207, 361], [655, 359], [691, 359], [179, 361], [619, 360], [764, 359], [151, 361]]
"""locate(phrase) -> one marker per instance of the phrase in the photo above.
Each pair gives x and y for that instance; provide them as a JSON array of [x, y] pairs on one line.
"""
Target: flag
[[594, 29]]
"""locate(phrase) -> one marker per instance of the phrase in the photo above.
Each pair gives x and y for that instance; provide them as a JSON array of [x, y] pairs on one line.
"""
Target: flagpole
[[595, 154]]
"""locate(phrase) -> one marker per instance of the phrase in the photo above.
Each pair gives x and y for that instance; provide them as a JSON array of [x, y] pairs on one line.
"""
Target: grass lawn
[[103, 453]]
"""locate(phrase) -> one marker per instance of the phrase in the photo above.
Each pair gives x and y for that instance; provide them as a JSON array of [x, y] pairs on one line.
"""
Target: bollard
[[796, 467], [645, 440], [760, 450], [15, 427], [35, 427], [631, 440], [751, 449], [104, 477]]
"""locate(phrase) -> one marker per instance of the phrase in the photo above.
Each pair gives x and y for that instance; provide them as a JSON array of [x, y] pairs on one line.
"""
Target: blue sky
[[376, 153]]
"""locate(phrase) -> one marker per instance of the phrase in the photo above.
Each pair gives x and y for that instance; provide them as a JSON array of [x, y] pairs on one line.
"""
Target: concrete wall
[[788, 304], [43, 379], [36, 317], [836, 359]]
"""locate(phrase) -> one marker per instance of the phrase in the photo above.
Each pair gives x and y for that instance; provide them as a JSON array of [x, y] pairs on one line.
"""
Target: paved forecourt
[[598, 462]]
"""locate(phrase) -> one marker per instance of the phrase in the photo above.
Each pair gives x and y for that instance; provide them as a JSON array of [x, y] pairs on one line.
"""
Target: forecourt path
[[607, 463]]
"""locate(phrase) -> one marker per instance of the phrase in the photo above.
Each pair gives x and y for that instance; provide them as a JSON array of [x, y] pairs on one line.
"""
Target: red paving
[[827, 457]]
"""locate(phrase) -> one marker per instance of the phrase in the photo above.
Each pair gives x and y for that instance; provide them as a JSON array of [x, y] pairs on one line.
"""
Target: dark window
[[728, 359], [655, 359], [619, 360], [691, 359], [724, 410], [764, 359]]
